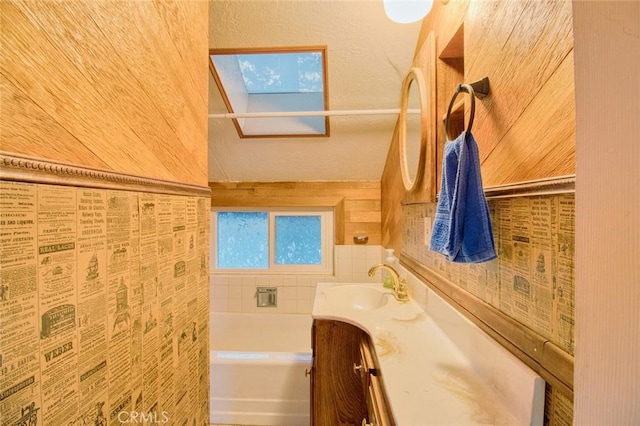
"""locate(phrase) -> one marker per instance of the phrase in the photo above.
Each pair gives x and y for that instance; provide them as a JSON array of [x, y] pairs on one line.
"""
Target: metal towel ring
[[477, 89], [461, 88]]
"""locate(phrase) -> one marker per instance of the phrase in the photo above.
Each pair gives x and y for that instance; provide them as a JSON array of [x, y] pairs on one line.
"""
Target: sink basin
[[357, 297]]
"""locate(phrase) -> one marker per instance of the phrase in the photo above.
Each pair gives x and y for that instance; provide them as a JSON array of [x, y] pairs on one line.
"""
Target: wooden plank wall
[[525, 128], [356, 204], [392, 192], [120, 86]]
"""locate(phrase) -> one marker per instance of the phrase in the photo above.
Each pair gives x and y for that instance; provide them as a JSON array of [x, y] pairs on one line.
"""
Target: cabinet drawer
[[378, 411], [377, 408]]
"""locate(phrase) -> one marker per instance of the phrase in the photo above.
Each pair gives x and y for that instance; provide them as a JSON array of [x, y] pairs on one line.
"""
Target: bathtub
[[258, 364]]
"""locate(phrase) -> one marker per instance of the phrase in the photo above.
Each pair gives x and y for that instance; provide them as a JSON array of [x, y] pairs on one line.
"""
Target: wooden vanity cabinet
[[346, 383]]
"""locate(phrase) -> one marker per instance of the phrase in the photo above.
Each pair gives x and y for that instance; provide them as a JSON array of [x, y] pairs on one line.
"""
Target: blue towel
[[462, 228]]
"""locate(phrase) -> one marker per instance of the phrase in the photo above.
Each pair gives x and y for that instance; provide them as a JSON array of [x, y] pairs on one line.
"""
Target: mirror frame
[[413, 76]]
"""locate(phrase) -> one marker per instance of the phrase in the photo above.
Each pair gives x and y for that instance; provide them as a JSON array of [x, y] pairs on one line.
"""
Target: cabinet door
[[312, 375], [338, 397], [364, 366]]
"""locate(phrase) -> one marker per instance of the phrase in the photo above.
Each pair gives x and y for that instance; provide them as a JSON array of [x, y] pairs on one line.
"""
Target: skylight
[[273, 81], [282, 72]]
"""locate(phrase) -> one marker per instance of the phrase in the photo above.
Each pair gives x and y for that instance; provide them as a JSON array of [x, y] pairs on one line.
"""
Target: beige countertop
[[428, 378]]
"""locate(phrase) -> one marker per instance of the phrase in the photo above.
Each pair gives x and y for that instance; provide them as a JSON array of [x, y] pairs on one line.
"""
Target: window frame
[[227, 93], [327, 241]]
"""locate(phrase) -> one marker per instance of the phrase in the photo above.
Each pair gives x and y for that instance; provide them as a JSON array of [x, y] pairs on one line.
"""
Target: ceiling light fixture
[[407, 11]]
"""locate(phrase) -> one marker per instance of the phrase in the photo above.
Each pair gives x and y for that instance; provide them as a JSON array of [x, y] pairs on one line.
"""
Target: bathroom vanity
[[377, 361]]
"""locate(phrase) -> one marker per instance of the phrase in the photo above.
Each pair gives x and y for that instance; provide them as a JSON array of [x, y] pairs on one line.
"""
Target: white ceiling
[[368, 56]]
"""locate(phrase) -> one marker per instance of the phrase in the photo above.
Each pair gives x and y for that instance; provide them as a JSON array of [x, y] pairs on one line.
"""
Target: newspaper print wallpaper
[[533, 278], [103, 306]]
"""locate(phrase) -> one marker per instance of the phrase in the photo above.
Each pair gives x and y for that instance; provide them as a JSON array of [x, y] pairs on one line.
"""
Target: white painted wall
[[607, 79]]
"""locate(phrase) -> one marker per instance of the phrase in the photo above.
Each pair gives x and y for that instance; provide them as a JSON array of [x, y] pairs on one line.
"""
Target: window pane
[[281, 72], [298, 240], [243, 240]]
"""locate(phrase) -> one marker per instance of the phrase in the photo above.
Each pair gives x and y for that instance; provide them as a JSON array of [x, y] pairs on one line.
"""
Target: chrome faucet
[[399, 284]]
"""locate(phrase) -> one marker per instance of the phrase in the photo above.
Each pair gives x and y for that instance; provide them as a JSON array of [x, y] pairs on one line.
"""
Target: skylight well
[[273, 81]]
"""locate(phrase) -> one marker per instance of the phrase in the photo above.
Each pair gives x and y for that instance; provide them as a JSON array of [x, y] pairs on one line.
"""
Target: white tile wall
[[236, 293]]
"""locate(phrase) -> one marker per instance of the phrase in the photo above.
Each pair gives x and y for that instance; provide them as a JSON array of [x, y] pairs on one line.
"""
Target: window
[[272, 81], [273, 241]]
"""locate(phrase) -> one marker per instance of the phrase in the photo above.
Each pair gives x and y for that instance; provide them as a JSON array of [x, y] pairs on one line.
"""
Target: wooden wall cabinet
[[346, 382]]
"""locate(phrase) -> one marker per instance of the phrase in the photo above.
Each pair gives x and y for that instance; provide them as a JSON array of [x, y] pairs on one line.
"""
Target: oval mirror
[[411, 134]]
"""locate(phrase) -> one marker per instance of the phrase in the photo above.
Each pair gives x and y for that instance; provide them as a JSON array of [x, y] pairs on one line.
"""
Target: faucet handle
[[401, 291]]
